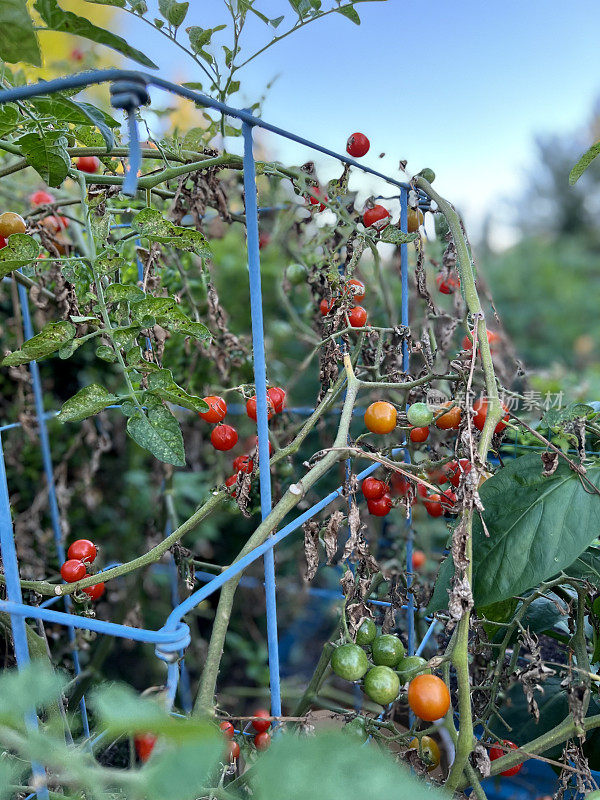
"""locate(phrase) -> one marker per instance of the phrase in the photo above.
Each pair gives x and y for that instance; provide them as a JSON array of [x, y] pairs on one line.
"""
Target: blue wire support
[[260, 382]]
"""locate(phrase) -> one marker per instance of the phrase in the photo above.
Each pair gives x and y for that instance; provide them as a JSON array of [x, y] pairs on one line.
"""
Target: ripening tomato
[[144, 745], [243, 464], [224, 437], [480, 407], [217, 409], [251, 409], [447, 284], [41, 198], [428, 750], [261, 721], [95, 592], [227, 728], [357, 317], [414, 219], [357, 145], [461, 467], [428, 697], [357, 288], [433, 505], [418, 559], [262, 741], [492, 337], [380, 507], [451, 419], [89, 164], [277, 396], [419, 434], [373, 488], [380, 417], [11, 223], [377, 217], [73, 570], [83, 550], [55, 223], [325, 306], [498, 752], [316, 197], [233, 751]]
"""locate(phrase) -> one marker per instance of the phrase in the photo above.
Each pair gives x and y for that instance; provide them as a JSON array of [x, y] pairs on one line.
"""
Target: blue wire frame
[[172, 639]]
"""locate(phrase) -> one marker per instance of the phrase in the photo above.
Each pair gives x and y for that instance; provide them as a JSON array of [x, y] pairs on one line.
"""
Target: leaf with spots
[[157, 431], [156, 228], [20, 251], [50, 339], [161, 383], [88, 401]]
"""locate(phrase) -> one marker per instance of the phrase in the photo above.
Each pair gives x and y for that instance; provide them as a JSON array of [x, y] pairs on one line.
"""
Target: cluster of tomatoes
[[80, 555], [389, 669], [355, 291], [225, 437], [261, 723]]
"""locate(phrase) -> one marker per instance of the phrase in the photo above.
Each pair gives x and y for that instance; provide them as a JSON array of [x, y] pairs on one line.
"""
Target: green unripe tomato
[[382, 685], [419, 415], [366, 633], [387, 650], [296, 274], [411, 666], [356, 729], [428, 174], [349, 661]]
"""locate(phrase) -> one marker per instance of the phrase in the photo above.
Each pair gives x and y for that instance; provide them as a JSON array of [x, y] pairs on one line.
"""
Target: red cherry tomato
[[228, 729], [316, 196], [233, 750], [419, 434], [262, 741], [357, 317], [448, 500], [380, 507], [447, 284], [3, 242], [243, 464], [83, 550], [217, 409], [373, 488], [96, 591], [400, 484], [256, 445], [144, 745], [433, 505], [277, 396], [224, 437], [358, 289], [232, 481], [492, 337], [418, 559], [89, 164], [325, 306], [357, 145], [73, 570], [261, 721], [463, 466], [497, 752], [480, 407], [441, 474], [422, 491], [41, 198], [377, 217], [251, 410]]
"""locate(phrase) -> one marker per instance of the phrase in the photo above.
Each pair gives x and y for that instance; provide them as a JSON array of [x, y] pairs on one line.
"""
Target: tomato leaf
[[57, 19], [156, 228], [158, 432], [533, 532], [88, 401], [47, 154], [68, 110], [350, 12], [18, 40], [173, 11], [583, 163], [162, 384], [50, 339], [20, 251], [395, 236], [119, 292], [9, 119]]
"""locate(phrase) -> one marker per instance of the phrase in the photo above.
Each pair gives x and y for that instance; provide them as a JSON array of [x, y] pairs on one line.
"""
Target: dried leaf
[[311, 549]]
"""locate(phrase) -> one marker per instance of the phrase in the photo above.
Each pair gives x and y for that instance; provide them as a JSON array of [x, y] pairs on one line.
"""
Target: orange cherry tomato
[[428, 697], [11, 223], [451, 419], [480, 407], [380, 417], [418, 559], [492, 337], [414, 219]]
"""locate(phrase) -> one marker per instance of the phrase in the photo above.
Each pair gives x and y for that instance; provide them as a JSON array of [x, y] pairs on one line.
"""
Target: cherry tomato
[[377, 217], [224, 437], [448, 500], [277, 396], [261, 721], [428, 697], [380, 507], [270, 445], [357, 145], [263, 240], [251, 410], [419, 434], [89, 164], [461, 467], [451, 419], [83, 550], [418, 559], [498, 752], [232, 481], [41, 198], [447, 284], [11, 223], [144, 745], [316, 196], [55, 224], [325, 306], [480, 407], [262, 741], [366, 632], [73, 570], [440, 474], [3, 242], [233, 751], [96, 591], [349, 661], [382, 685], [428, 750], [419, 414], [433, 505], [411, 666], [243, 464], [387, 649], [228, 729], [492, 337], [422, 491], [357, 317], [414, 219], [400, 484], [380, 417], [373, 488], [217, 409], [358, 289]]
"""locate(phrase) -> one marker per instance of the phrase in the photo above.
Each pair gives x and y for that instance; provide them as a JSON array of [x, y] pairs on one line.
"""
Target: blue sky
[[462, 86]]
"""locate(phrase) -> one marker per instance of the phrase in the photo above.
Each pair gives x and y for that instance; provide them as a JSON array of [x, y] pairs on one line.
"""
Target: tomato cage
[[129, 90]]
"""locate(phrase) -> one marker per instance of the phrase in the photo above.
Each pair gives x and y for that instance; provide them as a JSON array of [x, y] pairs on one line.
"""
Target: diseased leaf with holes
[[555, 416], [178, 321], [88, 401], [156, 228], [51, 338], [47, 155], [173, 11], [119, 292], [350, 12], [109, 262], [18, 40], [20, 251], [9, 119], [583, 163], [162, 384], [533, 530], [68, 110], [57, 19], [395, 236], [153, 307], [158, 432]]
